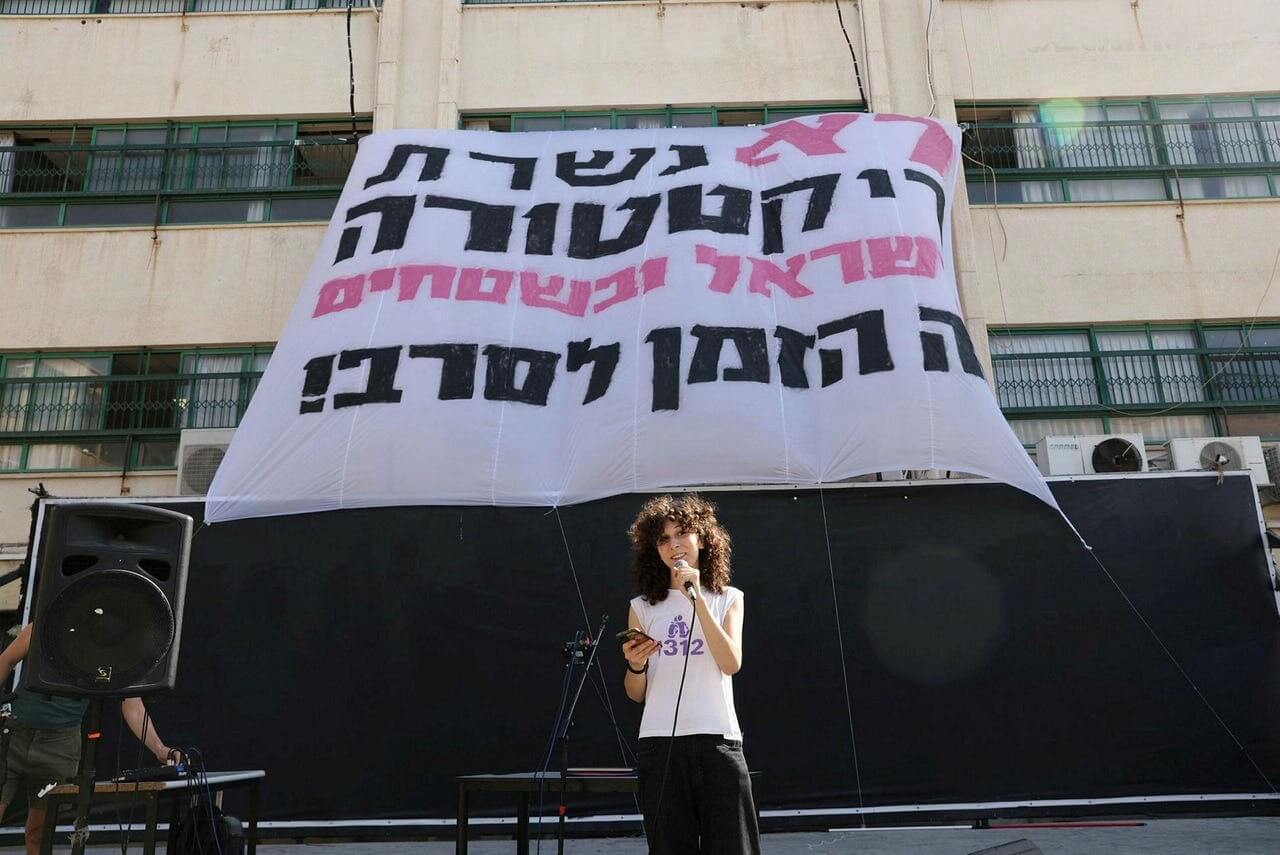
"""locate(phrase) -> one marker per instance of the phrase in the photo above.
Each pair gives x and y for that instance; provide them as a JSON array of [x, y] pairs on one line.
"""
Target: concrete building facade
[[1116, 236]]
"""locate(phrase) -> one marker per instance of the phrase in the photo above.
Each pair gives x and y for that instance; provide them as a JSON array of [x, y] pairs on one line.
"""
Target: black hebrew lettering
[[319, 371], [940, 197], [791, 356], [394, 212], [684, 210], [500, 374], [432, 167], [380, 386], [873, 346], [521, 168], [457, 368], [490, 226], [603, 360], [935, 351], [935, 346], [568, 168], [878, 181], [541, 236], [666, 368], [822, 190], [753, 351], [691, 157], [585, 239]]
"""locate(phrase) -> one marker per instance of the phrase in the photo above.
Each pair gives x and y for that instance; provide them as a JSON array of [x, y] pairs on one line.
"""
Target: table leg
[[149, 834], [253, 817], [460, 833], [51, 806], [522, 824]]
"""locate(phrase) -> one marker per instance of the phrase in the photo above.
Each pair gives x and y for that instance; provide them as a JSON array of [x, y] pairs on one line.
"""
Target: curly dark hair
[[693, 514]]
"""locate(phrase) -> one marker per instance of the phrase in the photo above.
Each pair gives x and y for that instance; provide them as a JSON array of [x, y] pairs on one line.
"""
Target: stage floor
[[1243, 836]]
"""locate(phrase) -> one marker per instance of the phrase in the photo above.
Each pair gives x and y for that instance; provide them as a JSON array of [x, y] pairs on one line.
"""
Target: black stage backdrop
[[366, 657]]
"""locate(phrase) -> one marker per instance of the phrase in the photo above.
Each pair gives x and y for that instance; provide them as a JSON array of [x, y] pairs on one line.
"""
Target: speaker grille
[[107, 628]]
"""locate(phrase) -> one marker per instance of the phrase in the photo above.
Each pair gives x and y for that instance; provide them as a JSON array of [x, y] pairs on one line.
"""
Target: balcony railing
[[108, 406], [60, 184], [1052, 158], [142, 7], [1137, 380]]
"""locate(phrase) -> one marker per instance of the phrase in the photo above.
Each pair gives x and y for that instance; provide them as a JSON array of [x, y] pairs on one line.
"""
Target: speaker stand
[[88, 774]]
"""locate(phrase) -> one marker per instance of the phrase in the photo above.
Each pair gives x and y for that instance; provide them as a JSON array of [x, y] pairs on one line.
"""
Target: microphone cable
[[675, 718]]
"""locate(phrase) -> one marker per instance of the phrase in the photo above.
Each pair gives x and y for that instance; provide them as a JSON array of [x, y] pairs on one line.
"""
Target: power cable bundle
[[204, 829]]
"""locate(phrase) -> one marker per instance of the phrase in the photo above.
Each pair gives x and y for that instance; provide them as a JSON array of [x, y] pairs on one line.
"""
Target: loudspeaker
[[110, 585]]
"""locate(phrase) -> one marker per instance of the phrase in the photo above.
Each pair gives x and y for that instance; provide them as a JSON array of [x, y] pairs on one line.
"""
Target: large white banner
[[547, 318]]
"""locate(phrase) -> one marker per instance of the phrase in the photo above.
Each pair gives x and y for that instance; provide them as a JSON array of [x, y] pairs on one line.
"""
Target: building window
[[1162, 382], [173, 7], [1123, 151], [173, 174], [118, 409], [669, 117]]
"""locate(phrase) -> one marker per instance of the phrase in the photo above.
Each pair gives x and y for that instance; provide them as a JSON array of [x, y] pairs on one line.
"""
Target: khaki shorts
[[37, 758]]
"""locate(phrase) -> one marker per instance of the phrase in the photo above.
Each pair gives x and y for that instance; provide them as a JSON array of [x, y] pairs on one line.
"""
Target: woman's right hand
[[638, 652]]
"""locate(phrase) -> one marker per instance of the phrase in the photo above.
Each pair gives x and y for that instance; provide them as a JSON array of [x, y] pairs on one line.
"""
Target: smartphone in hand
[[633, 634]]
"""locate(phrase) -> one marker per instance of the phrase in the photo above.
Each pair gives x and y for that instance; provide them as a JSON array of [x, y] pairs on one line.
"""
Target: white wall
[[68, 68], [1082, 263], [15, 501], [99, 288], [616, 54], [1020, 49]]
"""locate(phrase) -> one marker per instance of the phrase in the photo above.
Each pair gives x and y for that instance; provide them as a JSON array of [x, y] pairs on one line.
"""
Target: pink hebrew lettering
[[903, 256], [382, 279], [764, 272], [338, 295], [653, 274], [726, 267], [623, 285], [411, 276], [810, 139], [471, 285], [553, 295], [852, 266], [934, 148]]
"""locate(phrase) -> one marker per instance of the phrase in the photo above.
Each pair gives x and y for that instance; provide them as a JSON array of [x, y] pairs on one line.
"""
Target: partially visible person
[[695, 791], [42, 741]]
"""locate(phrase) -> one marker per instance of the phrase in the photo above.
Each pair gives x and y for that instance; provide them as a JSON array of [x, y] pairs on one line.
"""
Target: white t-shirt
[[706, 705]]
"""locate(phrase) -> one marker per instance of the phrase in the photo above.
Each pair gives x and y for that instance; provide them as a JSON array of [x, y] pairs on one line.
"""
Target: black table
[[524, 784], [150, 792]]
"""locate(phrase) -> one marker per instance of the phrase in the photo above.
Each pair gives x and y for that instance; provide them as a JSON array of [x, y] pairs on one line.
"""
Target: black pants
[[706, 805]]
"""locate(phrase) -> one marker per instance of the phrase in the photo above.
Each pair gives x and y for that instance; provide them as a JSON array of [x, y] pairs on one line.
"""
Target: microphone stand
[[580, 651]]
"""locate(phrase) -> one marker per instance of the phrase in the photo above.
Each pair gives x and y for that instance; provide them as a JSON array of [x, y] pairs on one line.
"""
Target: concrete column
[[900, 40], [418, 46]]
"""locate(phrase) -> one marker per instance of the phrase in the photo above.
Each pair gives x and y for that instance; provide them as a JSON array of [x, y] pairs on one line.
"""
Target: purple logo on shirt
[[678, 643]]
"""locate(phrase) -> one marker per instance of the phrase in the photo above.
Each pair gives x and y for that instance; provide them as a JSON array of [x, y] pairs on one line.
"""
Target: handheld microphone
[[688, 586]]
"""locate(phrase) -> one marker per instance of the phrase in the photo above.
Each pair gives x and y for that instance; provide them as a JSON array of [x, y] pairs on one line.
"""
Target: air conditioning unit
[[1091, 455], [200, 452], [1271, 454], [1222, 454]]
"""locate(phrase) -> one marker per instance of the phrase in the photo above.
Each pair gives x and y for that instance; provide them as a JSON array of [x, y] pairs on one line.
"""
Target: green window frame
[[134, 410], [171, 173], [1109, 372], [169, 7], [1124, 150], [616, 119]]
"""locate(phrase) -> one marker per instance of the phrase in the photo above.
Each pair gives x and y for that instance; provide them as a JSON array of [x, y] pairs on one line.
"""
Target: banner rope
[[844, 670]]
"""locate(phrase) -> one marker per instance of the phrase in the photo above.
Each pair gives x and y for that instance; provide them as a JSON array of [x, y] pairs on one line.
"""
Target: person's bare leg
[[35, 829]]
